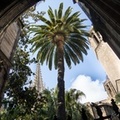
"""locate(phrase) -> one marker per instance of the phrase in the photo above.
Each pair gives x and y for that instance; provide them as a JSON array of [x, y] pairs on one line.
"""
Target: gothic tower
[[38, 82], [109, 60]]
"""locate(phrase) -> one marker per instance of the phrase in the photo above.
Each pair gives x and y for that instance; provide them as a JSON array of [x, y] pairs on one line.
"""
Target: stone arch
[[10, 12]]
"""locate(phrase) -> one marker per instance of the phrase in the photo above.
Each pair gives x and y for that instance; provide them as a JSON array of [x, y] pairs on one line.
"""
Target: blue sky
[[88, 74]]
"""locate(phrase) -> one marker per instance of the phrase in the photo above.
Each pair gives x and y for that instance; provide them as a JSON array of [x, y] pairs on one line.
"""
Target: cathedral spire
[[38, 82]]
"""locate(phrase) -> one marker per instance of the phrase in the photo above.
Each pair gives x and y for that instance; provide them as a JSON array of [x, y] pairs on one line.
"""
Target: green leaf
[[60, 11], [51, 15]]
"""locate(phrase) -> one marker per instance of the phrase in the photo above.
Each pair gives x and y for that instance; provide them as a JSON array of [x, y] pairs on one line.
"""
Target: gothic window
[[109, 91], [118, 85], [112, 88]]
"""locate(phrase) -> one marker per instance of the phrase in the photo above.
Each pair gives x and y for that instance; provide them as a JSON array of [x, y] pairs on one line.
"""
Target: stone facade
[[109, 60]]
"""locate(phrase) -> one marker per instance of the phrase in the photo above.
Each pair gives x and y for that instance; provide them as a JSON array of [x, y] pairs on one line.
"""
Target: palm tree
[[50, 106], [61, 38], [75, 109], [73, 105]]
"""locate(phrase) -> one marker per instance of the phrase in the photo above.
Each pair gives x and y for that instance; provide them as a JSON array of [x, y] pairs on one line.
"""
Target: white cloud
[[93, 90]]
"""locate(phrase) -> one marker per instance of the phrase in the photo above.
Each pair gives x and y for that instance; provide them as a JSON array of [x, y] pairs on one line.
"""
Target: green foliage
[[73, 105], [22, 101], [19, 99], [29, 17], [117, 98], [67, 25]]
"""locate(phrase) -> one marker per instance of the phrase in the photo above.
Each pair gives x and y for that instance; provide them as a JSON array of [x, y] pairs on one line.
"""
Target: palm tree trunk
[[61, 88]]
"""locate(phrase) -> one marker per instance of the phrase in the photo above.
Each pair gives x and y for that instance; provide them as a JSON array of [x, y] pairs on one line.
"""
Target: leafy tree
[[73, 106], [61, 38], [50, 107], [19, 99]]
